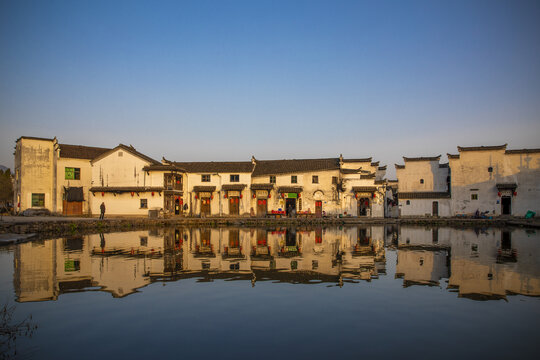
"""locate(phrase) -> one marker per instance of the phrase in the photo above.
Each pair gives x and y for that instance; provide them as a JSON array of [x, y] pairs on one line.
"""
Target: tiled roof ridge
[[81, 151], [422, 158], [482, 148], [522, 151]]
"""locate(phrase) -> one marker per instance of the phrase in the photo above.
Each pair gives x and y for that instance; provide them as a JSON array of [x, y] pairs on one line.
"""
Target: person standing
[[102, 208]]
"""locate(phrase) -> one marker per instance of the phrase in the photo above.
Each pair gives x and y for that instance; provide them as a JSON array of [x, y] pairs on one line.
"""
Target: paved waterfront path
[[61, 225]]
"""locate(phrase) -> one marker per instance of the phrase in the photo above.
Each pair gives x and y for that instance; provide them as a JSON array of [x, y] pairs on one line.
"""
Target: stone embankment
[[60, 226]]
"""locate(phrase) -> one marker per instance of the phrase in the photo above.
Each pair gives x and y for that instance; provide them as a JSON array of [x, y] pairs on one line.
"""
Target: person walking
[[102, 208]]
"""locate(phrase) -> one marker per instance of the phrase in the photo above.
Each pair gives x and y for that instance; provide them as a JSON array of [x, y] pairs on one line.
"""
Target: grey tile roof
[[273, 167], [358, 160], [424, 195], [522, 151], [364, 188], [290, 189], [80, 151], [216, 166], [481, 148], [122, 189], [233, 187], [262, 186], [204, 188], [162, 167], [423, 158]]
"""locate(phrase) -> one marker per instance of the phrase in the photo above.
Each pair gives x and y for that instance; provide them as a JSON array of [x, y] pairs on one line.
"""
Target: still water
[[234, 293]]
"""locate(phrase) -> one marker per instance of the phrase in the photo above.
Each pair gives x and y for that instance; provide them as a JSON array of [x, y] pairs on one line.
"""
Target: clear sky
[[224, 80]]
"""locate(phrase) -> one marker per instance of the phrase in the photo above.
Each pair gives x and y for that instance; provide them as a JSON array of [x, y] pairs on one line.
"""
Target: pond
[[323, 292]]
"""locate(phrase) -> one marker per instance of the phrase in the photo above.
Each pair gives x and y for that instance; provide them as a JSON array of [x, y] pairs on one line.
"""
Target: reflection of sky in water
[[386, 316]]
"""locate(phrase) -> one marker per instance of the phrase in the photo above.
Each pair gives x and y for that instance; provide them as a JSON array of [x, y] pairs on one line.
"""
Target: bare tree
[[9, 331]]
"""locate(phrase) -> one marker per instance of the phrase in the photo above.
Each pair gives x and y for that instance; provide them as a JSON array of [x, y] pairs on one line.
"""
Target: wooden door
[[72, 207], [262, 207], [318, 209], [205, 206], [435, 208], [234, 205]]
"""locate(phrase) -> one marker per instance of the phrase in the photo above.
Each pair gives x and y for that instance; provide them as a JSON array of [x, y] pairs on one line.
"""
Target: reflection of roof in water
[[483, 297], [407, 283]]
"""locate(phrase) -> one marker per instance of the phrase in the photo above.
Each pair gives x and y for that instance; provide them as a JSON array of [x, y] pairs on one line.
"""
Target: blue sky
[[224, 80]]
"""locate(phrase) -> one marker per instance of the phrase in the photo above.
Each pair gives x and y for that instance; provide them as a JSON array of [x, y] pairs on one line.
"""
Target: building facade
[[423, 187], [495, 181], [76, 180]]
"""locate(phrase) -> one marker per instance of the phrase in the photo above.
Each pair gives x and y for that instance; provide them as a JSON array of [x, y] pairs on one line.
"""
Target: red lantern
[[152, 193], [374, 195], [269, 195], [499, 194], [132, 193], [515, 193], [102, 194], [254, 196], [299, 195], [211, 197], [196, 197], [225, 196], [241, 196], [282, 195], [356, 196]]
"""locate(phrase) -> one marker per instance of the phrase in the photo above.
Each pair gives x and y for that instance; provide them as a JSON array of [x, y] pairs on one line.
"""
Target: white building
[[53, 176], [423, 185], [495, 180], [131, 183]]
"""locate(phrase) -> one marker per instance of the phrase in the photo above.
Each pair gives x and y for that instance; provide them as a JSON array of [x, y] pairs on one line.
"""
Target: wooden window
[[120, 154], [272, 179], [490, 169], [235, 178], [205, 178], [315, 179], [144, 203], [334, 180], [38, 200], [408, 202], [421, 181], [72, 173], [474, 196], [294, 179]]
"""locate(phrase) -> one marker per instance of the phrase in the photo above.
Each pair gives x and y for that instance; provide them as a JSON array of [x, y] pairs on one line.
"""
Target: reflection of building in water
[[479, 263], [363, 254], [422, 267], [484, 263], [35, 271], [495, 263], [121, 263], [118, 263]]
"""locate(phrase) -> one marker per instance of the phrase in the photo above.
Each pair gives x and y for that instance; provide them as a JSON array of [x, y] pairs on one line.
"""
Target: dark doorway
[[290, 205], [262, 207], [506, 205], [318, 209], [205, 206], [363, 206], [290, 239], [234, 205], [435, 208], [177, 205]]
